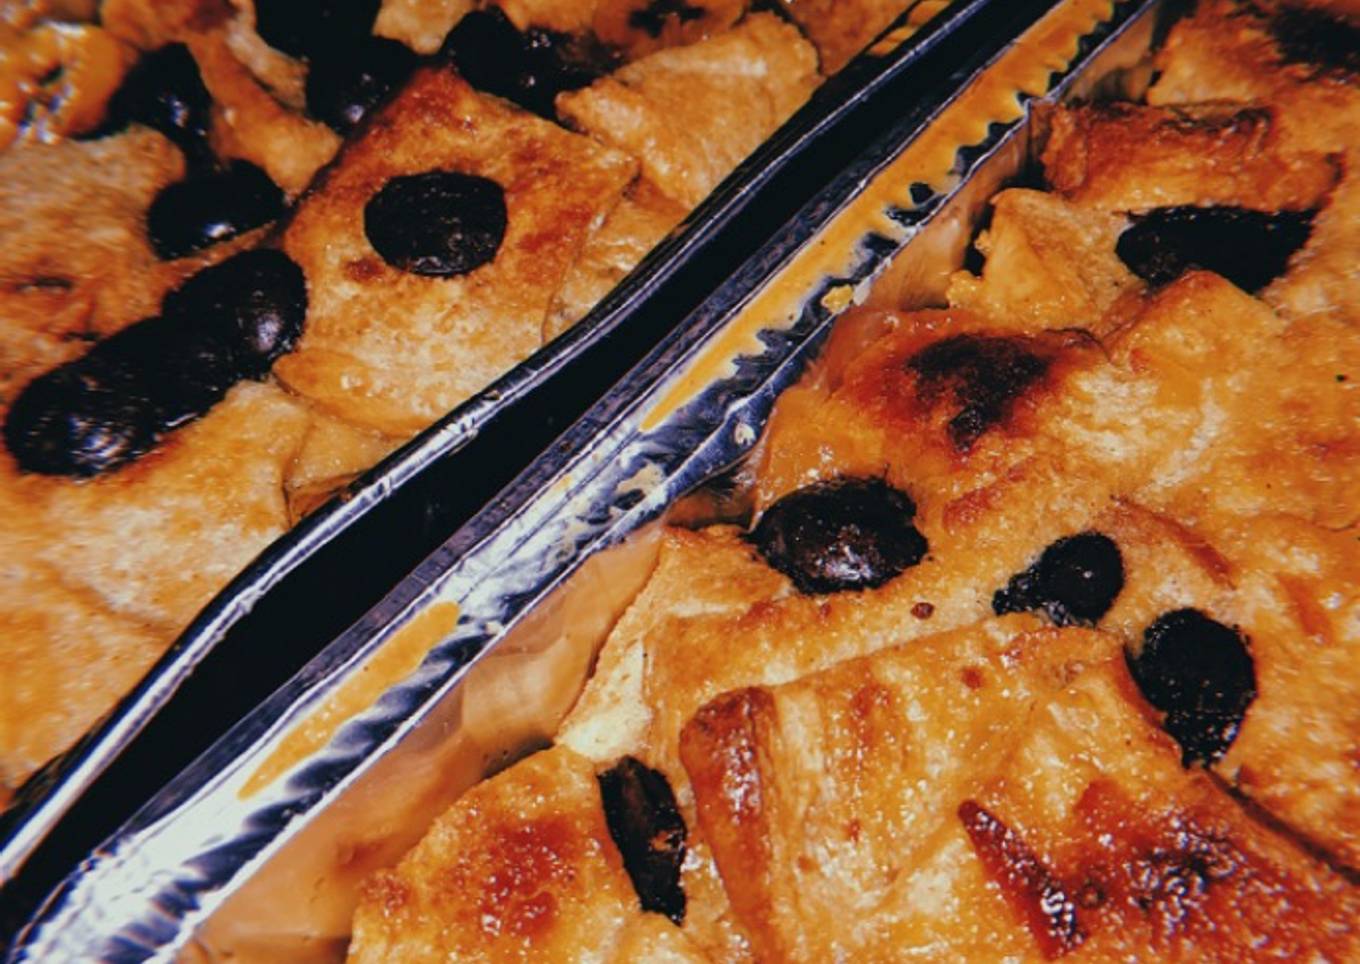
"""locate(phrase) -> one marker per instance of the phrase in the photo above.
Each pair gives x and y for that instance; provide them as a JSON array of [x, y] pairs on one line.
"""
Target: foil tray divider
[[606, 478], [42, 802]]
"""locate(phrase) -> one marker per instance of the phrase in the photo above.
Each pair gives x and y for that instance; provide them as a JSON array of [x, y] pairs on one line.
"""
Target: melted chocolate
[[1249, 248], [1199, 672], [440, 223], [1074, 582], [649, 831], [840, 534]]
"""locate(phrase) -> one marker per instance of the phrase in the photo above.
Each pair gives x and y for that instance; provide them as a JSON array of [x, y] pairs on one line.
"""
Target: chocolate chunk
[[313, 28], [211, 207], [255, 301], [107, 408], [1307, 35], [164, 91], [1074, 581], [529, 68], [440, 223], [1200, 673], [649, 831], [652, 18], [980, 375], [343, 87], [839, 534], [185, 370], [1249, 248], [81, 419]]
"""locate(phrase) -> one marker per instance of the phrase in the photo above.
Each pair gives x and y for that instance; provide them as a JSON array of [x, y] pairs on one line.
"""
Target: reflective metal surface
[[302, 569], [255, 850]]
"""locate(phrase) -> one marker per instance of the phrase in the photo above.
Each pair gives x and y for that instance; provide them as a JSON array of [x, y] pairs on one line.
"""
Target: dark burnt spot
[[1199, 672], [923, 610], [649, 830], [438, 223], [839, 534], [1172, 883], [1306, 35], [1074, 582], [1031, 889], [529, 68], [981, 376], [652, 18], [1249, 248]]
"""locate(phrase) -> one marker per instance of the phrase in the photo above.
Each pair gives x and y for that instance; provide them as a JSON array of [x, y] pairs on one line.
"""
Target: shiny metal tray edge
[[41, 803], [606, 480]]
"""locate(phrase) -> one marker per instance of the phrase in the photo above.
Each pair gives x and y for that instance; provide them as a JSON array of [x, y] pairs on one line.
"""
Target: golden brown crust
[[138, 553], [420, 24], [638, 222], [158, 538], [841, 28], [1322, 277], [1225, 51], [64, 659], [802, 790], [1068, 829], [393, 350], [691, 114], [76, 263], [1290, 588], [247, 122], [1049, 264], [521, 868], [1128, 157]]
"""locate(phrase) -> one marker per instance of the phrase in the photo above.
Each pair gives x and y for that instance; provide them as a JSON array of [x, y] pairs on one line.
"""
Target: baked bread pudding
[[251, 247], [1041, 640]]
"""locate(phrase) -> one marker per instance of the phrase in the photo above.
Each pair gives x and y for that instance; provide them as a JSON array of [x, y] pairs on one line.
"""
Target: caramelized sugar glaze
[[1041, 640], [251, 247]]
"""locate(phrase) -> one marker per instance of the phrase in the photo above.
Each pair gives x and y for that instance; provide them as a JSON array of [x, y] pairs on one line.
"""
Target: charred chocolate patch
[[439, 223], [529, 68], [980, 375], [840, 534], [1249, 248], [652, 18], [1031, 889], [649, 831], [1199, 672], [1306, 35], [1074, 582]]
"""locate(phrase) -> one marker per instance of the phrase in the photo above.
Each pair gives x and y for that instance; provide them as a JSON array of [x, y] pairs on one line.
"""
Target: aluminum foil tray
[[254, 851], [305, 588]]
